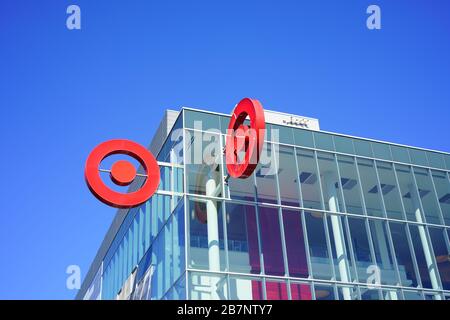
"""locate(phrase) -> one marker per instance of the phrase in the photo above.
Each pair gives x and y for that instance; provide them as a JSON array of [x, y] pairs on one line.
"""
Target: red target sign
[[244, 143], [122, 173]]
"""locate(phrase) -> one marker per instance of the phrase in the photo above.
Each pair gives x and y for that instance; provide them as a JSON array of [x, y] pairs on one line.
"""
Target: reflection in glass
[[287, 177], [330, 184], [442, 253], [409, 193], [272, 251], [246, 288], [295, 244], [206, 250], [300, 291], [266, 176], [202, 164], [207, 286], [242, 236], [408, 277], [276, 290], [412, 295], [428, 197], [442, 185], [370, 187], [389, 190], [370, 293], [383, 253], [318, 248], [425, 259], [324, 292], [361, 247], [309, 179], [350, 185], [340, 251]]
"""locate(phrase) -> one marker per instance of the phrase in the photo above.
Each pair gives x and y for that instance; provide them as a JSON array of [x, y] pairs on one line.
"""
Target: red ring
[[254, 110], [111, 197]]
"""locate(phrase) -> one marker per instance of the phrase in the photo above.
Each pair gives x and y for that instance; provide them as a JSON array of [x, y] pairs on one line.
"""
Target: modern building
[[324, 216]]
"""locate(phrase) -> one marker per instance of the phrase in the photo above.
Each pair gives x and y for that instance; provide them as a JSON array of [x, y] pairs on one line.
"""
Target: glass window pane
[[408, 192], [241, 189], [436, 160], [178, 241], [391, 294], [344, 144], [300, 291], [295, 244], [266, 176], [284, 134], [363, 148], [246, 288], [447, 161], [427, 195], [324, 292], [412, 295], [276, 290], [242, 234], [347, 293], [390, 191], [442, 254], [323, 141], [400, 154], [201, 120], [361, 248], [369, 183], [381, 151], [206, 236], [271, 241], [350, 185], [304, 138], [418, 157], [309, 179], [442, 185], [318, 248], [287, 177], [422, 249], [403, 255], [383, 253], [329, 176], [339, 248], [202, 164], [370, 293], [207, 286]]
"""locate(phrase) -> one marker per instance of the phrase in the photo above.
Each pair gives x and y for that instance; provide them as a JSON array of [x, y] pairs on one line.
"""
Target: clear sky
[[64, 91]]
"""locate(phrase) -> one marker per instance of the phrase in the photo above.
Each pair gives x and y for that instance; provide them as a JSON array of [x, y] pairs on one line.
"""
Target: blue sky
[[62, 92]]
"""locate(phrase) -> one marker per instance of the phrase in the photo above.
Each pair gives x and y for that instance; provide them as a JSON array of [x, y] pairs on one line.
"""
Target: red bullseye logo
[[243, 139], [122, 173], [243, 148]]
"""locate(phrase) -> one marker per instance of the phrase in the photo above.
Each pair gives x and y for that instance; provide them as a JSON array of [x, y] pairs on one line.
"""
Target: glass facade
[[325, 217]]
